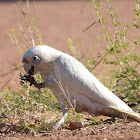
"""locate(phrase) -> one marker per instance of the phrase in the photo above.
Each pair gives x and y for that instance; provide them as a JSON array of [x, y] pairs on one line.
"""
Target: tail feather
[[133, 115]]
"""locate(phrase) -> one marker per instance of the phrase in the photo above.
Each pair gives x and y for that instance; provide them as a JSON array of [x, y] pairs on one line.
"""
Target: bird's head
[[38, 58], [32, 60]]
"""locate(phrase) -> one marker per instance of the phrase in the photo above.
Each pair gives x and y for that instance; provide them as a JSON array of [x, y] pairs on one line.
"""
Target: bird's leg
[[44, 84], [63, 108], [32, 81], [65, 115]]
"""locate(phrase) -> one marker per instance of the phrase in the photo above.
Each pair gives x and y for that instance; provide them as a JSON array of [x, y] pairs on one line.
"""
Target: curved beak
[[30, 69]]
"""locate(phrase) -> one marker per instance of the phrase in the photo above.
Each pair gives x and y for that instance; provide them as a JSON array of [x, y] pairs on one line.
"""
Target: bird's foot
[[26, 78]]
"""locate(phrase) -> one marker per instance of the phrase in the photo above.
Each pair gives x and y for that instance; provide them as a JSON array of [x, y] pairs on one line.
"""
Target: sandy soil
[[57, 22]]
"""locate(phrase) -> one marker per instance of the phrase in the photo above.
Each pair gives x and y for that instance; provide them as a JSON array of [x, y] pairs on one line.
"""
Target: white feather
[[74, 84]]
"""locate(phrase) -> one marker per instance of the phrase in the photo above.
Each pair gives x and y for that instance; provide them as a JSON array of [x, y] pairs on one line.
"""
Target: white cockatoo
[[72, 83]]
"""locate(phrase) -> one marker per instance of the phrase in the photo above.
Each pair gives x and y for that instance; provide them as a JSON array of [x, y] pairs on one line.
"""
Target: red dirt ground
[[59, 20], [121, 129]]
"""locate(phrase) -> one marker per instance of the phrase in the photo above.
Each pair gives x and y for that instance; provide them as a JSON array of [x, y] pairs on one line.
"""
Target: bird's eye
[[35, 58]]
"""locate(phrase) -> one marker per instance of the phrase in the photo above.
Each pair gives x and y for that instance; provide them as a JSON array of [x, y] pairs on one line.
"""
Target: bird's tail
[[133, 115]]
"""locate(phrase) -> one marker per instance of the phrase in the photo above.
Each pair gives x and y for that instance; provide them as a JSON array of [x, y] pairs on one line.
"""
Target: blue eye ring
[[36, 60]]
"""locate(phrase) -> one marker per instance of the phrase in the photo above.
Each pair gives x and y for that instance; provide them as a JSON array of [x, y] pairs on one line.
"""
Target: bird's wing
[[77, 78]]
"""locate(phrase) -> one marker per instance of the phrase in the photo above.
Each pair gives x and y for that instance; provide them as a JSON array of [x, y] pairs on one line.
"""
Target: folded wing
[[78, 79]]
